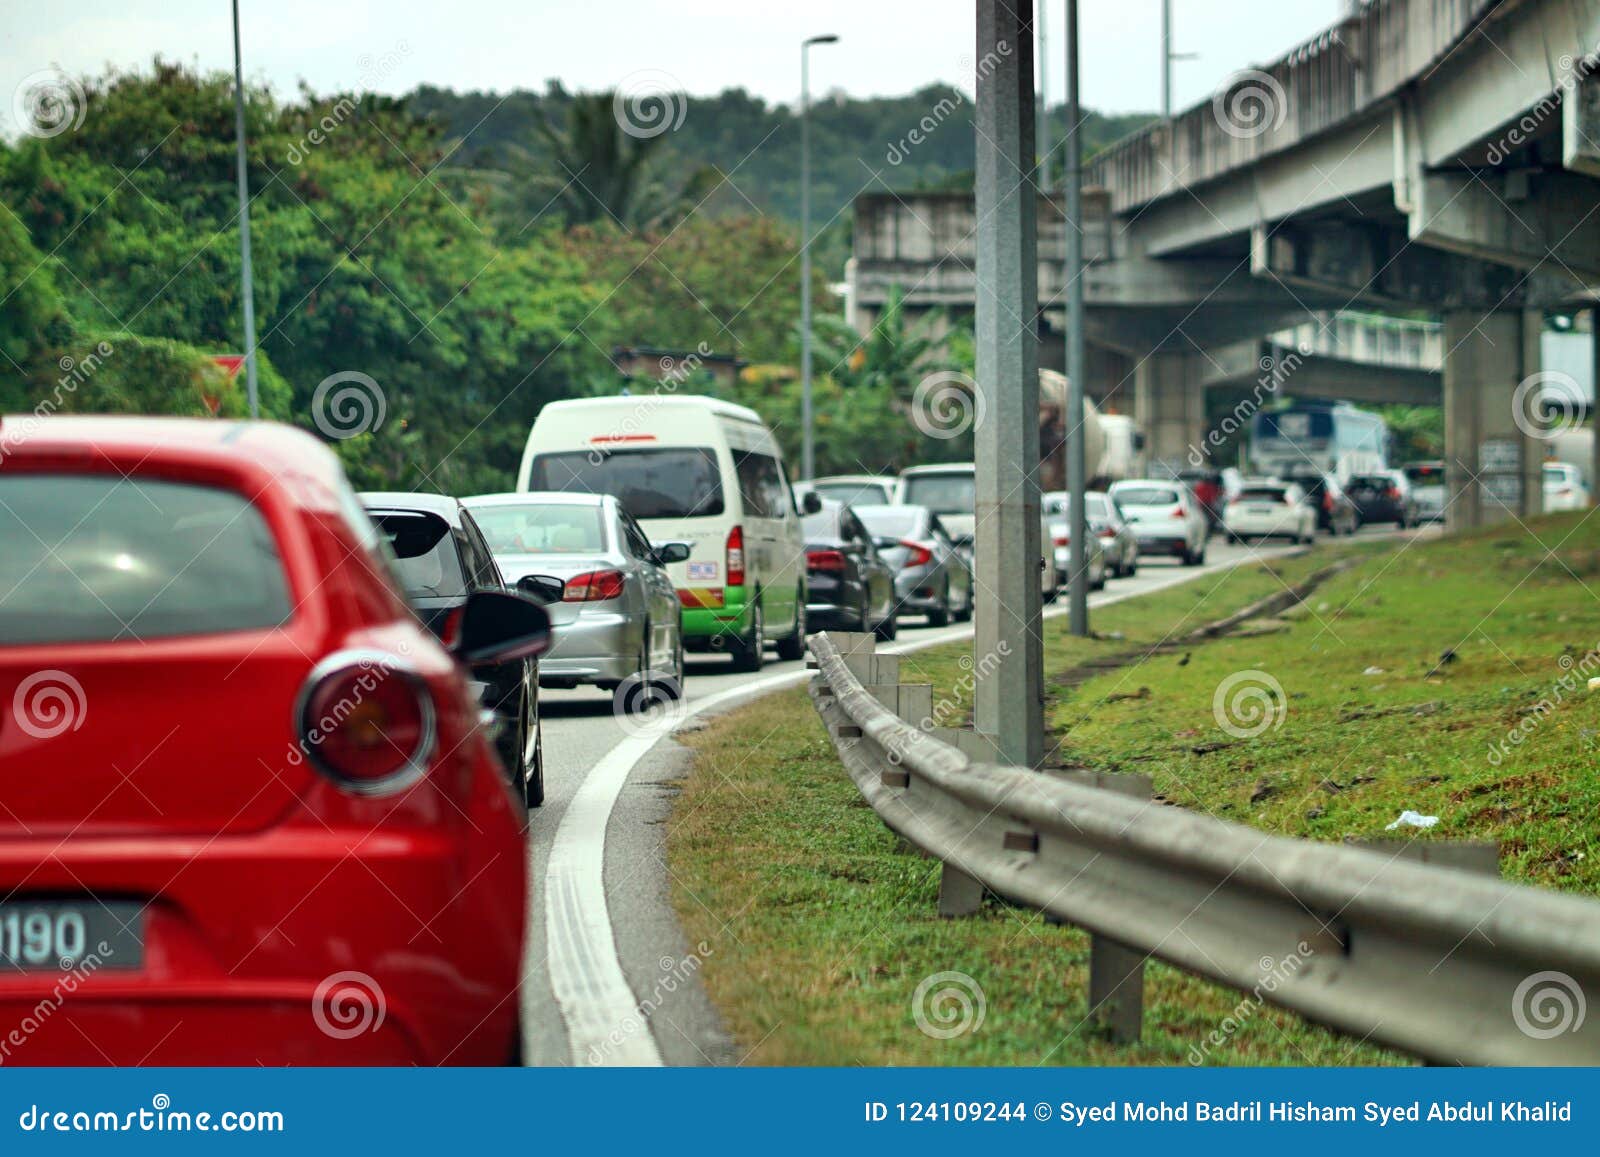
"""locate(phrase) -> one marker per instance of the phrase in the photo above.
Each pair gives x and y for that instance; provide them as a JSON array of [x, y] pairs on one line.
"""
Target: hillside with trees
[[474, 256]]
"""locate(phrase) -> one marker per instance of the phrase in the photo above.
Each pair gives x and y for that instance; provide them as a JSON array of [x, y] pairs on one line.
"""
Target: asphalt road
[[595, 957]]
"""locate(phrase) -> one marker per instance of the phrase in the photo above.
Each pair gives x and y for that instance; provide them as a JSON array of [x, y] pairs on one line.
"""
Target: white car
[[1564, 488], [1270, 510], [1166, 518]]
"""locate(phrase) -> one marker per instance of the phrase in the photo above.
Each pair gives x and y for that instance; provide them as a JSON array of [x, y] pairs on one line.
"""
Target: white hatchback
[[1270, 510]]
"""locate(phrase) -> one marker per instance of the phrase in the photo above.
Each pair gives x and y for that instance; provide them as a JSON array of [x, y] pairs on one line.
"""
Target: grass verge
[[823, 925]]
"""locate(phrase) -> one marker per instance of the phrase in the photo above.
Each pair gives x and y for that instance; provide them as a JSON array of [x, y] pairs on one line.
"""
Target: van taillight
[[367, 722], [594, 587], [736, 557]]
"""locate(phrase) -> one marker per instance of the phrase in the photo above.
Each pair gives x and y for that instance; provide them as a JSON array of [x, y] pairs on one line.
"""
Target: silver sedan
[[619, 623]]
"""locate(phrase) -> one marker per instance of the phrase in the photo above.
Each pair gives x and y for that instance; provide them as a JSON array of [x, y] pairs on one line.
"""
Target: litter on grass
[[1412, 819]]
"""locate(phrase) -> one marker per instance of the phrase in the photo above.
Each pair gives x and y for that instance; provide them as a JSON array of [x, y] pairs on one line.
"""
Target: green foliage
[[1416, 432]]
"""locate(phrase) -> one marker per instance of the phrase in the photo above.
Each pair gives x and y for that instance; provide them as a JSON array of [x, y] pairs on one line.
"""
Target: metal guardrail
[[1441, 962]]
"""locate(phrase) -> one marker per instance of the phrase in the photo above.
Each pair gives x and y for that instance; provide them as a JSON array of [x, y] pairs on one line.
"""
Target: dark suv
[[1383, 497]]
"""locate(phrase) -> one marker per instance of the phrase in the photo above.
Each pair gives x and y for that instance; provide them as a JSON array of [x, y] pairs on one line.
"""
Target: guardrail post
[[1116, 972]]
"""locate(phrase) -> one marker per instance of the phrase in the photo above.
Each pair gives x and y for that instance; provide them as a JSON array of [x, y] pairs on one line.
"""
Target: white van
[[695, 470], [950, 490]]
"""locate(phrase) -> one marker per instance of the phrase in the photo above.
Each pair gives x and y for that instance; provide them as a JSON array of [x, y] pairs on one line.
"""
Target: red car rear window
[[101, 557]]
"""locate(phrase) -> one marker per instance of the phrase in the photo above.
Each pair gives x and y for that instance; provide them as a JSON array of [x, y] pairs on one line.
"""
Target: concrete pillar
[[1493, 461], [1169, 404], [1007, 639]]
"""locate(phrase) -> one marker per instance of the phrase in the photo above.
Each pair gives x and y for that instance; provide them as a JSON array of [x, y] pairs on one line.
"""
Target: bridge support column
[[1169, 403], [1493, 465]]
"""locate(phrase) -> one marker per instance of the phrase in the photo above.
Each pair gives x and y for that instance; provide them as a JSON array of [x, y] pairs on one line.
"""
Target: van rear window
[[92, 558], [656, 483]]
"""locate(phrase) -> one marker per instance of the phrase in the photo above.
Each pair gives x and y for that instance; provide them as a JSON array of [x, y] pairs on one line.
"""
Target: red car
[[247, 814]]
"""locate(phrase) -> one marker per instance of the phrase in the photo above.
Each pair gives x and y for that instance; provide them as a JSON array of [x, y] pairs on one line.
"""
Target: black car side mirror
[[669, 552], [497, 627], [811, 503], [542, 587]]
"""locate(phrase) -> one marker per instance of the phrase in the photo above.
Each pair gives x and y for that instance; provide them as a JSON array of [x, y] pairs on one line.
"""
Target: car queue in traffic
[[332, 700]]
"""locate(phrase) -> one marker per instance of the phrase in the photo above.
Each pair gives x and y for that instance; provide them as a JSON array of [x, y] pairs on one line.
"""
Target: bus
[[1332, 437]]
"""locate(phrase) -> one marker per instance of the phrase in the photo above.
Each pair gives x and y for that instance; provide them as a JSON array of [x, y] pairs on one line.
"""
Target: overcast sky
[[887, 47]]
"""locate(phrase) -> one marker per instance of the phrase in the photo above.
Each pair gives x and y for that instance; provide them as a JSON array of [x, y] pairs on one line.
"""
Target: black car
[[1336, 514], [847, 584], [440, 558], [1383, 497]]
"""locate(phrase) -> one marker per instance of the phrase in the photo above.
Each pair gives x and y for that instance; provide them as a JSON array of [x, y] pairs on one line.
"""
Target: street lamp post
[[245, 278], [808, 450]]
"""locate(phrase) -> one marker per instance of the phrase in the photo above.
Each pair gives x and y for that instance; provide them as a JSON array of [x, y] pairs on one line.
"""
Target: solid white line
[[604, 1023]]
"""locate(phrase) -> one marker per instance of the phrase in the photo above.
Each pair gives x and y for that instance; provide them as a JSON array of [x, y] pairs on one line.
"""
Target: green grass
[[823, 924], [1518, 615]]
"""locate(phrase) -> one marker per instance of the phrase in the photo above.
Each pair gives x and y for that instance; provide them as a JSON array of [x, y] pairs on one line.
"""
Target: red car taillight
[[595, 587], [829, 560], [736, 557], [1062, 540], [1180, 513], [919, 555], [1106, 532], [1394, 493], [367, 722], [1327, 501]]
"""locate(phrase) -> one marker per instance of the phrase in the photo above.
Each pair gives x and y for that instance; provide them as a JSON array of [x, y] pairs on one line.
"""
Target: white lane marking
[[604, 1024]]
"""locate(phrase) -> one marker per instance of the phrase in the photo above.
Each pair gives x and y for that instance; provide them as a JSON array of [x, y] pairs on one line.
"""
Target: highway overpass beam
[[1493, 463], [1009, 703], [1169, 403]]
